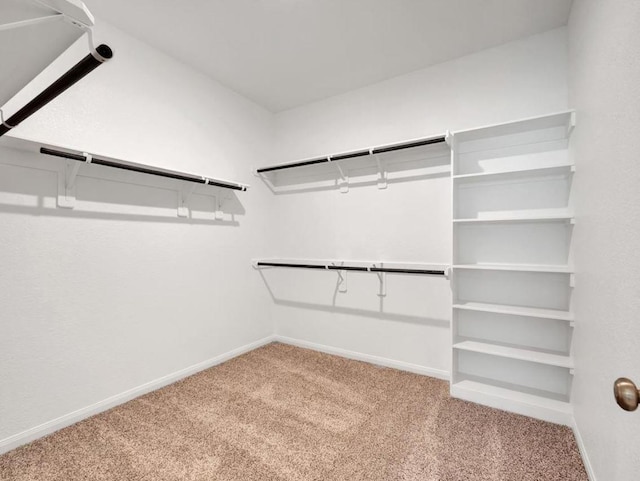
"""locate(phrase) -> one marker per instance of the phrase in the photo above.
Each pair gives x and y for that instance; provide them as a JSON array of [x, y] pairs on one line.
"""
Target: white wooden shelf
[[559, 269], [516, 310], [519, 218], [563, 169], [521, 354], [565, 120], [539, 406]]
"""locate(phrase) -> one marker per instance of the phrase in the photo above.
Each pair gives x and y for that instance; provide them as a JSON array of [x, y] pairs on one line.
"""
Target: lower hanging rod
[[144, 169], [332, 267]]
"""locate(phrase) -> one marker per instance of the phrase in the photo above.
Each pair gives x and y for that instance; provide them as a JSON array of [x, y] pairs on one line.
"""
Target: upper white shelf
[[29, 145], [559, 269], [565, 121], [383, 150], [507, 174]]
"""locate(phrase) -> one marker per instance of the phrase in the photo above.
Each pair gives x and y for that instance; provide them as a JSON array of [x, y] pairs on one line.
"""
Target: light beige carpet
[[284, 413]]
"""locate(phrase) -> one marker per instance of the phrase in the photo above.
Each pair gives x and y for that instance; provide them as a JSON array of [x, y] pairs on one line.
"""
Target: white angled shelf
[[552, 269], [517, 218], [522, 354], [516, 310], [533, 404], [507, 174]]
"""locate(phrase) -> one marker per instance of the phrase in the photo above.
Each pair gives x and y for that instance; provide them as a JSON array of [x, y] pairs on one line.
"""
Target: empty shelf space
[[516, 268], [565, 217], [563, 169], [521, 354], [516, 310], [459, 389]]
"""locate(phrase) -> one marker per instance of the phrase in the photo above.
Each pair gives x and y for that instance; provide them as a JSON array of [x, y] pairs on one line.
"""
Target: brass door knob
[[626, 393]]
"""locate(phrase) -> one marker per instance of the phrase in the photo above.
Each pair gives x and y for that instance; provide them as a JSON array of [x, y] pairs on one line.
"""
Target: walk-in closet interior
[[319, 240]]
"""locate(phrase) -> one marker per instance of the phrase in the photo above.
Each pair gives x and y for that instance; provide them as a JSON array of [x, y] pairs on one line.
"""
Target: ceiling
[[286, 53]]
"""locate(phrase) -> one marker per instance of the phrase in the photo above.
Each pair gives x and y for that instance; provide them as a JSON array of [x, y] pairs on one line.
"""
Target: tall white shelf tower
[[512, 322]]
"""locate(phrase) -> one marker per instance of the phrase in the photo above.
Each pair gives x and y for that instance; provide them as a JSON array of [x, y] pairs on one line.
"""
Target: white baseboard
[[583, 453], [358, 356], [49, 427]]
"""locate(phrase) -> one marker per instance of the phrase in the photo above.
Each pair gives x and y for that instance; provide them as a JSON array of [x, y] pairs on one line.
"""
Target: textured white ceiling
[[286, 53]]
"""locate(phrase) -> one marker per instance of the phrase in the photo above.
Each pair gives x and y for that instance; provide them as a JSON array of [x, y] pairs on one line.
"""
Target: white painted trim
[[358, 356], [583, 452], [49, 427]]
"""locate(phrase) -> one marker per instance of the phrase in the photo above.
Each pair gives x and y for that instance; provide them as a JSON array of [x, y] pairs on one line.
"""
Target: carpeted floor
[[284, 413]]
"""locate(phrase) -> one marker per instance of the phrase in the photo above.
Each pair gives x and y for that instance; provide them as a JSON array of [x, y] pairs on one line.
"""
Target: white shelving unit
[[512, 276]]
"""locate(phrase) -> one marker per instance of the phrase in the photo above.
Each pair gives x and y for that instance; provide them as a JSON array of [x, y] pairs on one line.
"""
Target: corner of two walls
[[409, 221], [119, 296]]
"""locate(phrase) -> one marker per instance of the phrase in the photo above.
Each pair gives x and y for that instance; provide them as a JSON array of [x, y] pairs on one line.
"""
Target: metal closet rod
[[359, 153], [428, 272], [143, 169], [85, 66]]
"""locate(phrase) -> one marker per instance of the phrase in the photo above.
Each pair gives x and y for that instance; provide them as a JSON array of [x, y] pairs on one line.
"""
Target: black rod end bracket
[[102, 53]]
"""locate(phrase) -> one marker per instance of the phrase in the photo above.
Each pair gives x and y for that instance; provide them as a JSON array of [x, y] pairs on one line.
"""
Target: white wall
[[408, 222], [605, 90], [120, 292]]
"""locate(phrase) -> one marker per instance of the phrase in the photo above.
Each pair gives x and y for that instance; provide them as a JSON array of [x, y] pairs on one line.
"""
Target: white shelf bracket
[[572, 280], [572, 124], [343, 181], [382, 173], [184, 196], [67, 182], [382, 278]]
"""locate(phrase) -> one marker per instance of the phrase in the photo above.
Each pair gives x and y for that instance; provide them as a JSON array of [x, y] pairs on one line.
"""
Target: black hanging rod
[[85, 66], [429, 272], [359, 153], [143, 169]]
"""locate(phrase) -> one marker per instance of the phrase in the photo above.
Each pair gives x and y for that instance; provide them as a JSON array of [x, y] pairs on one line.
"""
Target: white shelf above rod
[[144, 169], [341, 266], [359, 153]]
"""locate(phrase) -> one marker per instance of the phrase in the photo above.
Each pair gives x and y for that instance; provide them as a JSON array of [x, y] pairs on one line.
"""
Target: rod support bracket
[[219, 200], [382, 172], [382, 278], [343, 181], [184, 196], [342, 280], [67, 177]]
